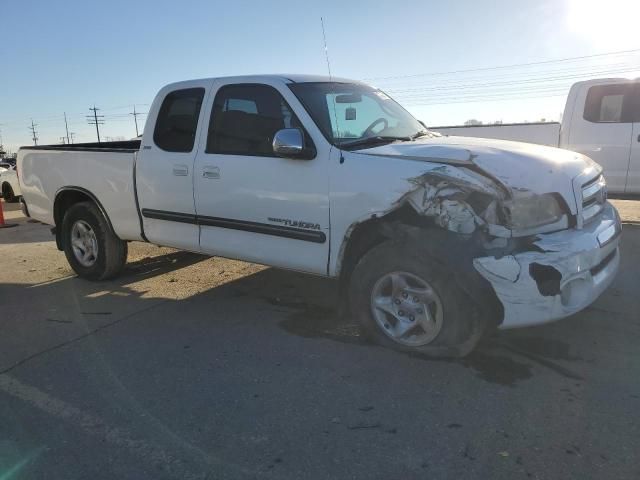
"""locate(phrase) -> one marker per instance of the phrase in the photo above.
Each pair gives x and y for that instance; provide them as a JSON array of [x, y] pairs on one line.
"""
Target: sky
[[446, 62]]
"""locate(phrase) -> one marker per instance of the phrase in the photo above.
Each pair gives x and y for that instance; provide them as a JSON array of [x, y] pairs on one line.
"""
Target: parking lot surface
[[195, 367]]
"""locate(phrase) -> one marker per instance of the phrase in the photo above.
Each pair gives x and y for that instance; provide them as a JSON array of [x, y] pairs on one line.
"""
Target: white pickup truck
[[436, 240], [601, 120], [9, 185]]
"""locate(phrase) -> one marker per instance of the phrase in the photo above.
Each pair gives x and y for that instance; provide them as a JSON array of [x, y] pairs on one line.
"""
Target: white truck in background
[[9, 184], [601, 120], [435, 240]]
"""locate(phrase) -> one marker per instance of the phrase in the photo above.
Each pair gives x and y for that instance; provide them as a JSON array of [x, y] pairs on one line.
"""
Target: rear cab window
[[616, 103], [177, 122]]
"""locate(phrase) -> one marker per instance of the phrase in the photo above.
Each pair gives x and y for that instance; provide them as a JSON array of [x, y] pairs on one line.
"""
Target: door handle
[[180, 170], [211, 172]]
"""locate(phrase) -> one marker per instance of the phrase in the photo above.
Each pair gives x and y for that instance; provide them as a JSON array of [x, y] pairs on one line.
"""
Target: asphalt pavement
[[189, 367]]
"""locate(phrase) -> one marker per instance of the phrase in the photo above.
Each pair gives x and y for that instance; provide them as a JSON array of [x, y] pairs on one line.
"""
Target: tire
[[105, 254], [447, 321], [7, 193]]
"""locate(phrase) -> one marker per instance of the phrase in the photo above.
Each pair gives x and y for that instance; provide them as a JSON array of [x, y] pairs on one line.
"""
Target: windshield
[[349, 112]]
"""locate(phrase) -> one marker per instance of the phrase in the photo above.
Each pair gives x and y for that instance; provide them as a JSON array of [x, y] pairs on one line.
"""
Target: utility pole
[[63, 140], [66, 126], [34, 134], [135, 119], [96, 120], [72, 134]]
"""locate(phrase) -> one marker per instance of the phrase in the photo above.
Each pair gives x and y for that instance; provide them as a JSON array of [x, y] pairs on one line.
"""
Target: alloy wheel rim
[[84, 243], [407, 308]]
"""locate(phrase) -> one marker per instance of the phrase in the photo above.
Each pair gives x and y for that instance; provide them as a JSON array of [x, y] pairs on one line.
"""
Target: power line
[[511, 75], [515, 89], [57, 117], [34, 135], [95, 120], [510, 94], [547, 79], [482, 99], [482, 69]]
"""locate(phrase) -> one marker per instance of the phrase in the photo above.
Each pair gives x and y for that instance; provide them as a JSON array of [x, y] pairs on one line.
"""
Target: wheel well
[[65, 200], [5, 184], [442, 244], [366, 235]]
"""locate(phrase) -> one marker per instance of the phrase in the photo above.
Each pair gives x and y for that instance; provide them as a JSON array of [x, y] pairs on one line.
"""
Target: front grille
[[594, 196]]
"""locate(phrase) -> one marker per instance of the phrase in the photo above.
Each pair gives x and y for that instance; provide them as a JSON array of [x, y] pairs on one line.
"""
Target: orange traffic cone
[[2, 222]]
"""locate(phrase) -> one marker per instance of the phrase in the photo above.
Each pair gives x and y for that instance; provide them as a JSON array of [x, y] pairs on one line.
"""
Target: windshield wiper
[[421, 133], [361, 142]]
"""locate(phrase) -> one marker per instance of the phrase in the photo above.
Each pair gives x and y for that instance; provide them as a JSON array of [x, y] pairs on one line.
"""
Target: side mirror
[[289, 143]]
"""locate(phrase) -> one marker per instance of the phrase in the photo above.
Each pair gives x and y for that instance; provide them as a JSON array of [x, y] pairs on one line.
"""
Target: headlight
[[534, 211]]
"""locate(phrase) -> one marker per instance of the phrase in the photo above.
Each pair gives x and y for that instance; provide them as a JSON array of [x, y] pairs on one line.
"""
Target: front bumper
[[563, 273]]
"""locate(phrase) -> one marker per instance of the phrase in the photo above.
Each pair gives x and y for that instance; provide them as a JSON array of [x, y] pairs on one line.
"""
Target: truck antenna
[[326, 54], [326, 50]]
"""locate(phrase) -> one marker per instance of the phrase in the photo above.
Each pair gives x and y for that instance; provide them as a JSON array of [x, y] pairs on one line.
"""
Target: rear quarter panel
[[107, 175]]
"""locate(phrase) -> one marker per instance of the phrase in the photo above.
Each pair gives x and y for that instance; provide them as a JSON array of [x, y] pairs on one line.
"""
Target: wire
[[546, 79], [482, 69], [482, 100]]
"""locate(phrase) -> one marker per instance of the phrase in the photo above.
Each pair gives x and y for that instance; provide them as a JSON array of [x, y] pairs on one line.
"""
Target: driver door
[[251, 204]]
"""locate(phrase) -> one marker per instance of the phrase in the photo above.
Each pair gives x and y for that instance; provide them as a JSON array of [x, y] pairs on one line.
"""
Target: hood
[[518, 166]]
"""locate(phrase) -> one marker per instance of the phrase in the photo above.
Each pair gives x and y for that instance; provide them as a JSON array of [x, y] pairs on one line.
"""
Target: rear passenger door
[[603, 130], [164, 168], [251, 204]]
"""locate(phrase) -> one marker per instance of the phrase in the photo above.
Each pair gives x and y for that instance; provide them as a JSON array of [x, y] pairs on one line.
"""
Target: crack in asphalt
[[80, 337]]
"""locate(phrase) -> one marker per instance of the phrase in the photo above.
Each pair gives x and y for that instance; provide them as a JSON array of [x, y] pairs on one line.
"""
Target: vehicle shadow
[[24, 231], [305, 304]]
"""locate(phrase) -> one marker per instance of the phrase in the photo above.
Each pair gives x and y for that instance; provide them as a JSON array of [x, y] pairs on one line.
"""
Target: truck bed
[[105, 170], [127, 146]]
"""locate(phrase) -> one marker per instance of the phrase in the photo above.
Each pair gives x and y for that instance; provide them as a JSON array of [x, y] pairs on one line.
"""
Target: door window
[[245, 118], [178, 120]]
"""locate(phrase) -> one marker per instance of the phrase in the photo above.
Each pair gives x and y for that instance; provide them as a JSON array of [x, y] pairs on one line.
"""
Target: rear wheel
[[7, 193], [92, 249], [407, 299]]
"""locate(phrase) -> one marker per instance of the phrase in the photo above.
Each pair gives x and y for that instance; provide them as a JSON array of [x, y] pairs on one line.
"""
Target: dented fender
[[466, 186]]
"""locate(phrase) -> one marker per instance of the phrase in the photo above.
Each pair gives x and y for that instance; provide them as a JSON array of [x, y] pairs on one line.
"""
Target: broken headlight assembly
[[530, 212]]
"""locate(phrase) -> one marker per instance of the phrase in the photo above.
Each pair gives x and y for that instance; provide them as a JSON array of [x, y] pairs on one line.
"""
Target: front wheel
[[92, 249], [408, 300]]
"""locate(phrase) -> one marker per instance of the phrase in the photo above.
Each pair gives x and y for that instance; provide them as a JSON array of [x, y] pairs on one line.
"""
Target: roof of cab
[[301, 78], [286, 78]]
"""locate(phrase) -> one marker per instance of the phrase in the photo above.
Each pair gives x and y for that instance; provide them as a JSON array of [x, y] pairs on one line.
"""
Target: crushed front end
[[562, 273], [546, 255]]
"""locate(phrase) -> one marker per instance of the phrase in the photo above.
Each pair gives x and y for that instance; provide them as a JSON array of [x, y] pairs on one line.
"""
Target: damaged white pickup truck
[[436, 240]]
